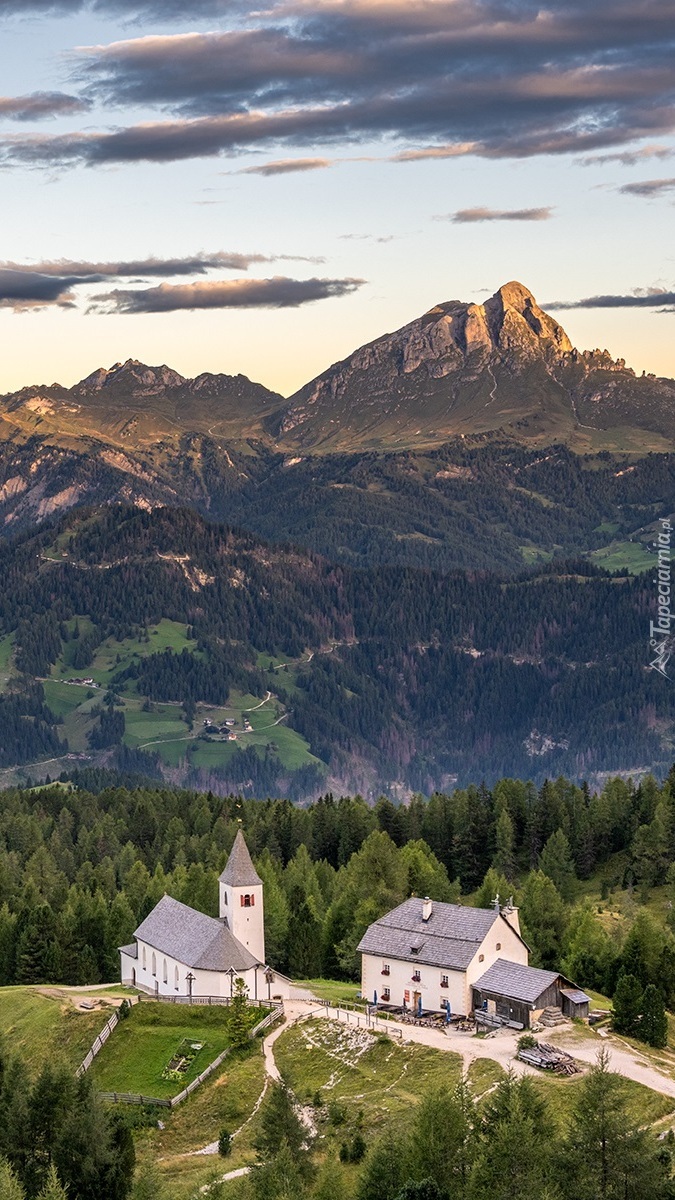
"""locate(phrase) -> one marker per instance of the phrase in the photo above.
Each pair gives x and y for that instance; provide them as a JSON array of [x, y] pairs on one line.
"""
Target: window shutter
[[252, 901], [241, 901]]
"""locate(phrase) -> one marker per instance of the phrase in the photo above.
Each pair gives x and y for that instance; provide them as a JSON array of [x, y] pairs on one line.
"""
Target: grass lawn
[[226, 1102], [334, 990], [41, 1028], [644, 1105], [369, 1078], [134, 1057], [631, 556]]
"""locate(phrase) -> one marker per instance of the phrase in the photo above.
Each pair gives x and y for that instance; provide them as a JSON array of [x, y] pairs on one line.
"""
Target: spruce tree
[[627, 1005], [10, 1188], [279, 1125], [654, 1023]]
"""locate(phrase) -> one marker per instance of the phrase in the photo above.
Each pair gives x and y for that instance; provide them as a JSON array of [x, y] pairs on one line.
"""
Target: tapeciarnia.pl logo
[[660, 638]]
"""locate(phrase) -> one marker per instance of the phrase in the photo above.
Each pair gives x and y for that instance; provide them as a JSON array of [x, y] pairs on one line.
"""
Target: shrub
[[225, 1143]]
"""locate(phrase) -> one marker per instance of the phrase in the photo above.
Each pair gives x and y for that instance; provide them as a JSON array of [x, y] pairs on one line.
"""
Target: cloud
[[469, 216], [278, 292], [648, 187], [440, 79], [50, 283], [32, 289], [165, 9], [285, 166], [642, 298], [628, 158], [38, 105]]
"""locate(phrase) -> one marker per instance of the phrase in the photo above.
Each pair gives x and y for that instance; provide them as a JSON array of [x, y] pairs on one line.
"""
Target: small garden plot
[[178, 1066], [143, 1054]]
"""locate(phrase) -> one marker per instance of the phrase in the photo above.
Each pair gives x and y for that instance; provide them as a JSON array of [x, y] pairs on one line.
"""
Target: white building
[[428, 954], [178, 951]]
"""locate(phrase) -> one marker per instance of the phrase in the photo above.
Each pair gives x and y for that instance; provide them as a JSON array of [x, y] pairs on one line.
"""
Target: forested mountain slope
[[156, 629]]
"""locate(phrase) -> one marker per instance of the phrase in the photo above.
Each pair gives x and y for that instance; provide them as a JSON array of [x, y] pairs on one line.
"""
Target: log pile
[[549, 1058]]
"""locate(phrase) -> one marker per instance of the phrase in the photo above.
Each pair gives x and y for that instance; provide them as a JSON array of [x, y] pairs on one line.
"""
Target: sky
[[221, 187]]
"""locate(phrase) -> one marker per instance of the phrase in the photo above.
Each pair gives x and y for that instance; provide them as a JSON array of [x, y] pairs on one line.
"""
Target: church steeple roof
[[240, 871]]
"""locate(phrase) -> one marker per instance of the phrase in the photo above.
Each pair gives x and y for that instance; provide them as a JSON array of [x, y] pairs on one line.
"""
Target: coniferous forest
[[394, 679]]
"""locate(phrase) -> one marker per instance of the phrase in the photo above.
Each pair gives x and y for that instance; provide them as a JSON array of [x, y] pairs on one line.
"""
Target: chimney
[[426, 908]]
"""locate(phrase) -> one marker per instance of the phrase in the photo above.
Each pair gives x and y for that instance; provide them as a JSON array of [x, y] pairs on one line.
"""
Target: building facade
[[180, 952], [426, 954]]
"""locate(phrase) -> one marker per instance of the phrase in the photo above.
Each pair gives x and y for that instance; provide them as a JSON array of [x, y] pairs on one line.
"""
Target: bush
[[527, 1042], [225, 1143]]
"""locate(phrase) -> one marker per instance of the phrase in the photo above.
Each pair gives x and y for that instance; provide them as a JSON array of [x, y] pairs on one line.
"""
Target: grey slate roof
[[515, 982], [130, 951], [450, 937], [193, 938], [240, 871], [576, 995]]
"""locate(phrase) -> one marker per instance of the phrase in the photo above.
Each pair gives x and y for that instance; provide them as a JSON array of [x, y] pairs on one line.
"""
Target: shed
[[513, 994]]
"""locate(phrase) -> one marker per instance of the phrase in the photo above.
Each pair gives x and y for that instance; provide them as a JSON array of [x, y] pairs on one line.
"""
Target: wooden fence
[[137, 1098], [99, 1041]]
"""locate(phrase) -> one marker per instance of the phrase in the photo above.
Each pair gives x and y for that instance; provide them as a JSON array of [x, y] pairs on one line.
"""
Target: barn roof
[[515, 981], [449, 938], [193, 938], [240, 871]]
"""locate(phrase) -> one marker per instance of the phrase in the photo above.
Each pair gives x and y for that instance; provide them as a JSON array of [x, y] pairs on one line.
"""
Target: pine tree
[[279, 1125], [606, 1155], [443, 1141], [627, 1005], [10, 1188], [654, 1024], [53, 1188], [504, 859], [386, 1170], [556, 862], [238, 1022]]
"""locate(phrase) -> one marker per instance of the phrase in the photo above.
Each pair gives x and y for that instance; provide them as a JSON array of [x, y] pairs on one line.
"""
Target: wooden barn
[[515, 995]]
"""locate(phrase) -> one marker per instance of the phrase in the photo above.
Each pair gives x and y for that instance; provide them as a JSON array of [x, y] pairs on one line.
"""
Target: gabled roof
[[193, 938], [240, 871], [515, 981], [449, 938]]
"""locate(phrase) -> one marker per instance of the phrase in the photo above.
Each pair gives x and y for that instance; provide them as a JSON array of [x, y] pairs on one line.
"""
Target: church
[[180, 952]]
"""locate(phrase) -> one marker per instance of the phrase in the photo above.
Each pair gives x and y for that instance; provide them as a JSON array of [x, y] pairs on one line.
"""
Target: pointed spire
[[240, 871]]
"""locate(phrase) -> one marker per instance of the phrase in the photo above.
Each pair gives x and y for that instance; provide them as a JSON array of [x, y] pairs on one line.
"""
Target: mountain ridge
[[460, 369]]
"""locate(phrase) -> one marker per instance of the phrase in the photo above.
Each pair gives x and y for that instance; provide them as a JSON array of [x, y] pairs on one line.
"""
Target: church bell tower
[[241, 899]]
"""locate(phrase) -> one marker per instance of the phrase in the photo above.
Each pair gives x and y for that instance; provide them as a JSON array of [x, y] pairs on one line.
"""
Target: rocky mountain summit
[[463, 369]]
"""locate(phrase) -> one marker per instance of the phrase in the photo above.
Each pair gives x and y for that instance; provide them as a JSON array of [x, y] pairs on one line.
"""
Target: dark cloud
[[469, 216], [452, 77], [41, 104], [286, 166], [644, 298], [279, 292], [32, 289], [51, 283], [96, 272], [648, 187]]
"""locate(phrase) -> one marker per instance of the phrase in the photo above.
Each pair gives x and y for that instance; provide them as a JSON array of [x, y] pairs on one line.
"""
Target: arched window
[[144, 960], [224, 896], [247, 901], [176, 983], [165, 972], [154, 964]]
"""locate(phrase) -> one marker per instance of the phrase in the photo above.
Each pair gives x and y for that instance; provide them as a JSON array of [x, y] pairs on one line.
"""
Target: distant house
[[178, 951], [433, 956]]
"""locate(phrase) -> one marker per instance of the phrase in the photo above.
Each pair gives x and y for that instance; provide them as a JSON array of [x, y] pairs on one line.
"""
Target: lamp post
[[232, 974], [269, 980], [189, 979]]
